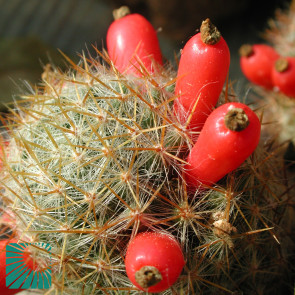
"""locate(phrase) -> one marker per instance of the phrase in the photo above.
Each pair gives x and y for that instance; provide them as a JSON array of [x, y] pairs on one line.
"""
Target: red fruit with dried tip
[[256, 63], [229, 136], [154, 261], [283, 75], [131, 37], [28, 261], [203, 68]]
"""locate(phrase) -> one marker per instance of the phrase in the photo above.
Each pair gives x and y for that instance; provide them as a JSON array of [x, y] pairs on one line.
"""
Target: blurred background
[[31, 31]]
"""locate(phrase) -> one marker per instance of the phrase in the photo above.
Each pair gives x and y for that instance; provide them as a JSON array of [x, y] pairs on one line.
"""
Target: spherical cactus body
[[94, 167]]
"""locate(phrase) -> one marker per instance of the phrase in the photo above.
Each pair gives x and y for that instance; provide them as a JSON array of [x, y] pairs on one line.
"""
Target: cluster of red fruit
[[262, 65], [223, 142]]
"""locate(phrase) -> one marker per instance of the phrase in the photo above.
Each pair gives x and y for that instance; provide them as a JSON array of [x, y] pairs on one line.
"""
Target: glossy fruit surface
[[154, 261], [256, 63], [132, 37], [283, 75], [229, 136], [202, 71], [28, 262]]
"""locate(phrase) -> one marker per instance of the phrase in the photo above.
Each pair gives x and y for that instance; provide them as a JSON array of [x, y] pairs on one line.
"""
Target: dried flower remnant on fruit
[[236, 119], [148, 276], [121, 12], [209, 33], [281, 65], [246, 50]]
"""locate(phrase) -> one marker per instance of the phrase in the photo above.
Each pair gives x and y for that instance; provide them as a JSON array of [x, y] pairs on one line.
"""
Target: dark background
[[31, 31]]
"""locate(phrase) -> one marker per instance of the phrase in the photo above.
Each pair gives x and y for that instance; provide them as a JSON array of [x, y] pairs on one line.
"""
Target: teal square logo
[[20, 269]]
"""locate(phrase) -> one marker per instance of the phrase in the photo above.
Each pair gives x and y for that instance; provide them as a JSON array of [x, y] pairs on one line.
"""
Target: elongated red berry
[[283, 75], [203, 68], [256, 63], [229, 136], [131, 37], [153, 261]]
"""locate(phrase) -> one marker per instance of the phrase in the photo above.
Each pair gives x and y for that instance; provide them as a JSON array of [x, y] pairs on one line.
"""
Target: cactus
[[95, 156]]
